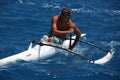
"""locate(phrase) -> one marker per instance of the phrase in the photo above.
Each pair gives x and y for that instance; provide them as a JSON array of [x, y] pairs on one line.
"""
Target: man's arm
[[78, 34], [58, 32]]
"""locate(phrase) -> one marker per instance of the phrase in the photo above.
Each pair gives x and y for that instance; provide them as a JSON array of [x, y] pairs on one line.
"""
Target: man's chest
[[63, 27]]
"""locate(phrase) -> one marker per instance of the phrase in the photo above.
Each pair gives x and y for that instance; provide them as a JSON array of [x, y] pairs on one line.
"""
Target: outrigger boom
[[42, 44]]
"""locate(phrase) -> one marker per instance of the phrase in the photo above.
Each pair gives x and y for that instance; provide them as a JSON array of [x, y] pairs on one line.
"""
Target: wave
[[85, 9], [75, 6], [81, 8], [49, 5], [112, 44], [27, 2]]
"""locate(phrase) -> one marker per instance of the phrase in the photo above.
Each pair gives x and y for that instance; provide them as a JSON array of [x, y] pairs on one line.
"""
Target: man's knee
[[50, 40]]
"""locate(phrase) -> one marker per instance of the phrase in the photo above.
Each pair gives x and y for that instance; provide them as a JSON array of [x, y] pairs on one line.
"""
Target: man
[[61, 26]]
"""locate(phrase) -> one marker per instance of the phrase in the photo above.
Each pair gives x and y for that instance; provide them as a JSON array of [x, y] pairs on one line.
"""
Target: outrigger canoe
[[36, 52]]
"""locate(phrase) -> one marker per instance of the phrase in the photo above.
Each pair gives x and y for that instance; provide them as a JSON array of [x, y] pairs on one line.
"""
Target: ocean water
[[24, 20]]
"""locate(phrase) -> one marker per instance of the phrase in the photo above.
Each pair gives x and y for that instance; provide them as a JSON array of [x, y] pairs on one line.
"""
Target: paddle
[[91, 44], [79, 55], [70, 40]]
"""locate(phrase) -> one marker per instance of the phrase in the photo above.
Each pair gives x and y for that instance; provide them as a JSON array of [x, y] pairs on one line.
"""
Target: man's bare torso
[[62, 26]]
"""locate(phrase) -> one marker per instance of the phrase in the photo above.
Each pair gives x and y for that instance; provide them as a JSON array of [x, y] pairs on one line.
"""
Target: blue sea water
[[24, 20]]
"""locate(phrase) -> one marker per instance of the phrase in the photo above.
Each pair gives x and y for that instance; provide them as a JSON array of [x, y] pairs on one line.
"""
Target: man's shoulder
[[71, 23], [55, 17]]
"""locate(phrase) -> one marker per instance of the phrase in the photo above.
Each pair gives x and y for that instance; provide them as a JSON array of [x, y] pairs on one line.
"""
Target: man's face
[[66, 14]]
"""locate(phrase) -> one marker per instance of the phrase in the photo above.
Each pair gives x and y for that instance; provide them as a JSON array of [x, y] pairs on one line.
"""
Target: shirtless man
[[61, 26]]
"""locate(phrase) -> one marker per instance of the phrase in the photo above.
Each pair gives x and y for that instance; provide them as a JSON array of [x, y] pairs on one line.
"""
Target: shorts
[[56, 40]]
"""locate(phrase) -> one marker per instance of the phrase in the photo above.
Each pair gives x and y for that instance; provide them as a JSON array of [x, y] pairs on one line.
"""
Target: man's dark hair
[[66, 12], [65, 16]]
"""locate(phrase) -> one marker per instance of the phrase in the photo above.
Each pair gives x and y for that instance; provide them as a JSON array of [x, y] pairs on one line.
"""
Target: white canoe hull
[[30, 54], [34, 53]]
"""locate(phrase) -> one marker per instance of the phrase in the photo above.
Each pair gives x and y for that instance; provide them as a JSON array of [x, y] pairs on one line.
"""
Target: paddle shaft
[[70, 40]]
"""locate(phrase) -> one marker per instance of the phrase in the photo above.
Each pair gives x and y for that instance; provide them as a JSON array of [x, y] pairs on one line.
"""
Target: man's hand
[[71, 30]]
